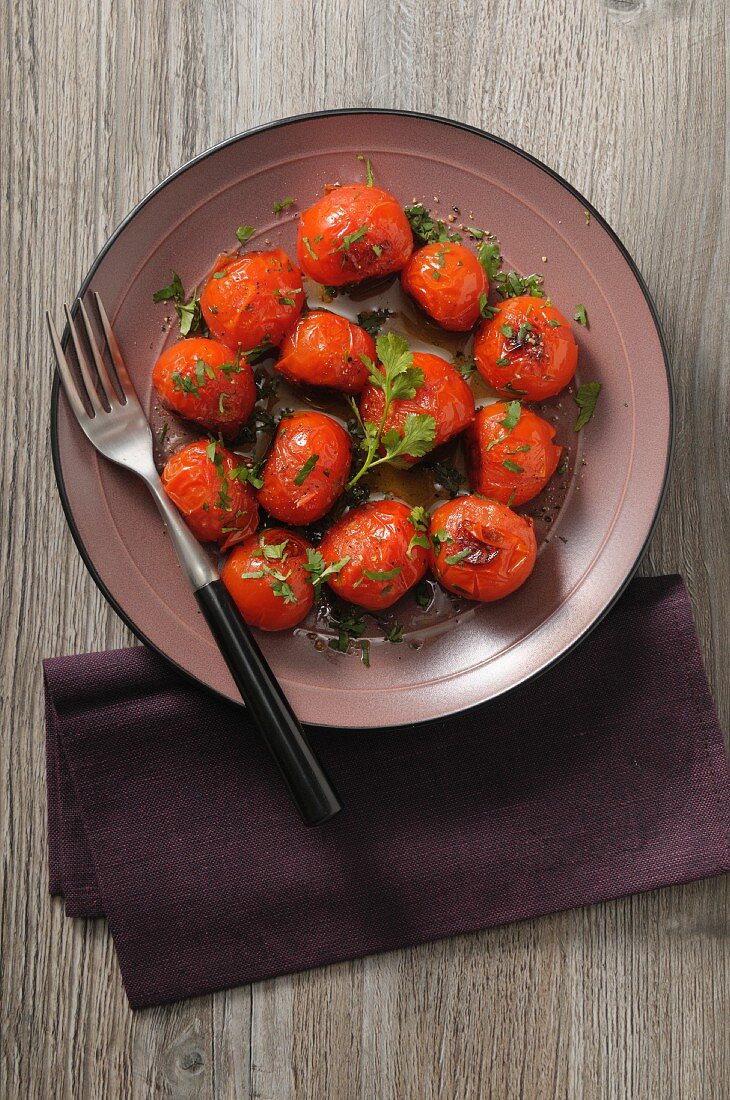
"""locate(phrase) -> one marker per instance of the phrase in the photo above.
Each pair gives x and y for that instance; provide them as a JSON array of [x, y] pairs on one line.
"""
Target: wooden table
[[98, 102]]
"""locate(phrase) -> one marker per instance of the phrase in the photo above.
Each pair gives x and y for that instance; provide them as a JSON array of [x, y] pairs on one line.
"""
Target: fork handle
[[308, 785]]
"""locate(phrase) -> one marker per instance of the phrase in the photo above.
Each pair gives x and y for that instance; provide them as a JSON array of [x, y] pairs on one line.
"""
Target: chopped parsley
[[349, 624], [454, 559], [174, 292], [490, 257], [281, 204], [512, 285], [308, 245], [424, 228], [306, 469], [512, 416], [581, 316], [383, 574], [586, 399], [485, 309], [319, 571], [513, 467], [191, 319], [372, 320], [351, 238], [245, 233], [369, 174]]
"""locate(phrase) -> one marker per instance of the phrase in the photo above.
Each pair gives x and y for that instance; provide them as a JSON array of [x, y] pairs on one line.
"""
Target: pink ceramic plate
[[619, 463]]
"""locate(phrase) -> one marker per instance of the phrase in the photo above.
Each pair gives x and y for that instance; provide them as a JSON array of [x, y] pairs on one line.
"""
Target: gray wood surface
[[98, 102]]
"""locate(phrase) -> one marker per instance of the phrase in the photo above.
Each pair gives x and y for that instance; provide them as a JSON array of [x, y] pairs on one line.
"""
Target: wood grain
[[97, 103]]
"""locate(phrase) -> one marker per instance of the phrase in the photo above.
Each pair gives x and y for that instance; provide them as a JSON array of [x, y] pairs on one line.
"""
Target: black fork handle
[[309, 787]]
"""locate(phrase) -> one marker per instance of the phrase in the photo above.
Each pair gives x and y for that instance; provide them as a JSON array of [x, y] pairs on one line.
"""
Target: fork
[[118, 428]]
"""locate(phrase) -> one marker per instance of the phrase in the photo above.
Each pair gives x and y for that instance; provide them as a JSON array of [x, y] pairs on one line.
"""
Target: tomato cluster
[[406, 404]]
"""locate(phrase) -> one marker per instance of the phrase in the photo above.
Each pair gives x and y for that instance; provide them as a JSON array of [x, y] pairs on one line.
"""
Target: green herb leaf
[[189, 314], [365, 652], [306, 469], [350, 238], [454, 559], [318, 569], [487, 311], [514, 410], [440, 538], [581, 316], [245, 232], [369, 174], [384, 574], [308, 245], [281, 204], [425, 229], [513, 467], [512, 285], [372, 320], [349, 624], [586, 399], [490, 257], [174, 292]]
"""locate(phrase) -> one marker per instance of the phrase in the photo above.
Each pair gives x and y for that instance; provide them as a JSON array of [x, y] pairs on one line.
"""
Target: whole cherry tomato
[[383, 541], [210, 486], [511, 453], [251, 301], [353, 233], [306, 469], [480, 548], [325, 349], [267, 579], [444, 395], [204, 381], [527, 349], [448, 283]]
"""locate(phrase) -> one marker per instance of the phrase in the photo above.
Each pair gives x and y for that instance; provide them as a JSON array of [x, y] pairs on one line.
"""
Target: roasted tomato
[[326, 350], [511, 453], [251, 301], [383, 541], [267, 579], [306, 469], [210, 486], [527, 349], [444, 395], [448, 283], [353, 233], [205, 381], [480, 548]]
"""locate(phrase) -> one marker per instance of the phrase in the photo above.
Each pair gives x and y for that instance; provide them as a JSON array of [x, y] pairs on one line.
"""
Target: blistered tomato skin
[[306, 469], [384, 563], [353, 233], [480, 548], [204, 381], [527, 350], [252, 301], [216, 504], [271, 592], [447, 281], [511, 463], [326, 350], [444, 395]]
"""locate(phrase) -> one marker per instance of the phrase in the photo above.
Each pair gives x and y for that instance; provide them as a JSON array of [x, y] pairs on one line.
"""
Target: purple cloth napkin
[[606, 776]]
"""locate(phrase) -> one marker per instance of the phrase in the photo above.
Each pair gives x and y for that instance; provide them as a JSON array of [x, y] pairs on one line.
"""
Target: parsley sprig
[[398, 380], [319, 571], [424, 228]]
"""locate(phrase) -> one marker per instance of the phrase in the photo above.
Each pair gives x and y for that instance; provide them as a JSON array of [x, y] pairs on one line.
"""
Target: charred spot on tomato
[[471, 550]]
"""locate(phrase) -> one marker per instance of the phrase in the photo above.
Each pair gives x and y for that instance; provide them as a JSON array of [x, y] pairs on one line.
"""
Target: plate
[[619, 463]]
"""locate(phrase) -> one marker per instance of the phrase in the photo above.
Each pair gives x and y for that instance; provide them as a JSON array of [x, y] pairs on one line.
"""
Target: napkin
[[605, 776]]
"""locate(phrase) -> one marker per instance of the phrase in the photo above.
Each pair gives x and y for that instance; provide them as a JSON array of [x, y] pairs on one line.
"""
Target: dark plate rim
[[307, 116]]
